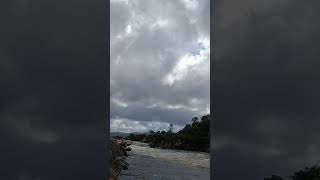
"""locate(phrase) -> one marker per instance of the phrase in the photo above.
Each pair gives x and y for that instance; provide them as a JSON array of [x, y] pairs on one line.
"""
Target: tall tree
[[194, 120]]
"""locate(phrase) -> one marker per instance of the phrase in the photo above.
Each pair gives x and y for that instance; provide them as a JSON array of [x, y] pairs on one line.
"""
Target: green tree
[[194, 120]]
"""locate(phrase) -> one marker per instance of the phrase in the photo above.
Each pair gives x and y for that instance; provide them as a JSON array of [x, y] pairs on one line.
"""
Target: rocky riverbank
[[117, 159]]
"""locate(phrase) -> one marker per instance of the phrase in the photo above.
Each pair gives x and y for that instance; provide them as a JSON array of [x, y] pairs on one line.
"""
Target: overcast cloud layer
[[266, 79], [52, 95], [160, 65]]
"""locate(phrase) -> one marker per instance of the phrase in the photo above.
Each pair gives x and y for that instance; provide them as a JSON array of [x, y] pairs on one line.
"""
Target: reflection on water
[[152, 164]]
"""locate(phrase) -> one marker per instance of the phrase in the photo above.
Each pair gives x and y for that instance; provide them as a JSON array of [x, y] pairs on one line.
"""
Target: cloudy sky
[[160, 64], [52, 95], [266, 79], [52, 73]]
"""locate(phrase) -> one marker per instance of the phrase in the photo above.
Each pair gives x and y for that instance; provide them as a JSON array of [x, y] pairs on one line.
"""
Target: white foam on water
[[188, 158]]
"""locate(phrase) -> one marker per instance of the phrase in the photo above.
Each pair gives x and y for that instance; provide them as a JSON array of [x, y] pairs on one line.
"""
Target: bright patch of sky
[[188, 63]]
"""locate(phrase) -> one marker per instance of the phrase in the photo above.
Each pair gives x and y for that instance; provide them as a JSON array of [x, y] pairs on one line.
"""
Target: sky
[[52, 92], [159, 63], [266, 95], [52, 74]]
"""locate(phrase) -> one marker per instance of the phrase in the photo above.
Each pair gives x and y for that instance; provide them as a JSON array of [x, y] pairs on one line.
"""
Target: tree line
[[194, 136]]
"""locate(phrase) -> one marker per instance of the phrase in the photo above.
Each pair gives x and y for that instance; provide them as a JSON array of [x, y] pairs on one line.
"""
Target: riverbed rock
[[117, 159]]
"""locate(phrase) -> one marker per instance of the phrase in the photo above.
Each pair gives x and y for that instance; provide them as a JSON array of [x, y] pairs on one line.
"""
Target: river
[[147, 163]]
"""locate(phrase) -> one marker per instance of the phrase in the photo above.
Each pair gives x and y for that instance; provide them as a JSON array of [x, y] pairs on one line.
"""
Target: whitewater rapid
[[152, 164]]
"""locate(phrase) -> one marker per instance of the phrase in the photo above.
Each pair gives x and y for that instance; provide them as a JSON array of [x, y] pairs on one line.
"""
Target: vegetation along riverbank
[[193, 137]]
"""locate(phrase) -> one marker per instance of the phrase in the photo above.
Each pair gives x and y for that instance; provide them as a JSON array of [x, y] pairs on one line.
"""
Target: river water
[[147, 163]]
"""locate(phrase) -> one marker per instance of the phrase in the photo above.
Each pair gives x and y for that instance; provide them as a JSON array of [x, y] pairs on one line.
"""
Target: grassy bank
[[194, 136]]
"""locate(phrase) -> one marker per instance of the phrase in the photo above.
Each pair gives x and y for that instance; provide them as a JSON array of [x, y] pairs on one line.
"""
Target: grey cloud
[[52, 105], [266, 98], [142, 58], [141, 112]]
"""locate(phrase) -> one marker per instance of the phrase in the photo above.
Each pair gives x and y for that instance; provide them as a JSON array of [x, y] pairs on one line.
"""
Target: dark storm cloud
[[52, 89], [266, 87]]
